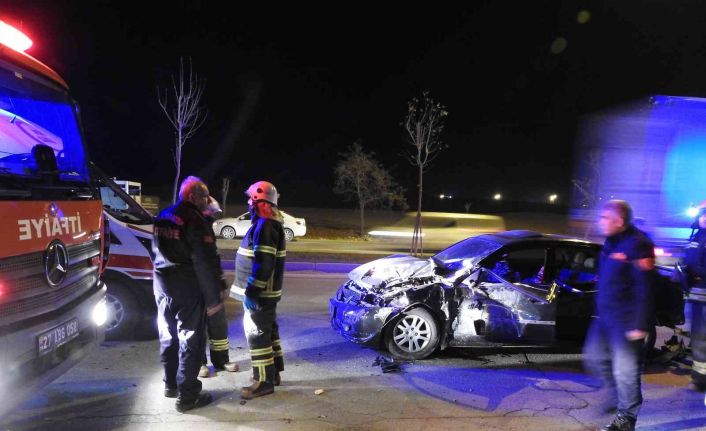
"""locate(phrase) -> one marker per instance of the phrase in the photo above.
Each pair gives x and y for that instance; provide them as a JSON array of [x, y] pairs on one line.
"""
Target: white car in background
[[231, 227]]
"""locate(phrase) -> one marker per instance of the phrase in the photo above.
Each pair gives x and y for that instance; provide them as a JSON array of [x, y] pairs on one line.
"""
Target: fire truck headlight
[[100, 313]]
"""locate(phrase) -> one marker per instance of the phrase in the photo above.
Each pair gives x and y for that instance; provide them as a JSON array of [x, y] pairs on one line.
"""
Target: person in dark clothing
[[259, 273], [695, 260], [187, 288], [625, 313], [217, 324]]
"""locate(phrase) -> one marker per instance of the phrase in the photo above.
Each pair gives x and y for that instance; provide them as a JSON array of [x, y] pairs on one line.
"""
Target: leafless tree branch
[[423, 124], [187, 114]]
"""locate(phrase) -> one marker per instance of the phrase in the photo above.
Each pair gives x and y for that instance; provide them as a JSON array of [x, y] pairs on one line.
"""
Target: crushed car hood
[[390, 270]]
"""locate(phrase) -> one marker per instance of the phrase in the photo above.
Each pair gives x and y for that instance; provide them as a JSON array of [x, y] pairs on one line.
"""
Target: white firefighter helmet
[[262, 191]]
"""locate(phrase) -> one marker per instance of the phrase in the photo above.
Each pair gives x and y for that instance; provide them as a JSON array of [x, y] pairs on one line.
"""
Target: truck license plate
[[55, 337]]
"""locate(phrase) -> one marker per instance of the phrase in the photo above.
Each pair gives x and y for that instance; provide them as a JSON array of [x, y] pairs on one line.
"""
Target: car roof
[[517, 236]]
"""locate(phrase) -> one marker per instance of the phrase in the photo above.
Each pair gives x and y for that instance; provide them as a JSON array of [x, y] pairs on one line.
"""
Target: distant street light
[[553, 198], [442, 196], [497, 196]]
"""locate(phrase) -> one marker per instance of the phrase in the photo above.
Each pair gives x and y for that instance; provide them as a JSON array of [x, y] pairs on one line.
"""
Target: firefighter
[[259, 270], [695, 260], [217, 324], [187, 289]]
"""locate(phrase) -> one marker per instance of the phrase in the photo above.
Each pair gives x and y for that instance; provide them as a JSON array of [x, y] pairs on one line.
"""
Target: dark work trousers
[[262, 332], [698, 342], [182, 325], [618, 361], [217, 339]]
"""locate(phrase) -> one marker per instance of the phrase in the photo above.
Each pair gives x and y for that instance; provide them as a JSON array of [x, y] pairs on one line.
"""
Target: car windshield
[[34, 113], [465, 253]]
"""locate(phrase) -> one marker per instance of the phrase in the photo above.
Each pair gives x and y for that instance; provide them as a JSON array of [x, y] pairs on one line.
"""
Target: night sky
[[289, 88]]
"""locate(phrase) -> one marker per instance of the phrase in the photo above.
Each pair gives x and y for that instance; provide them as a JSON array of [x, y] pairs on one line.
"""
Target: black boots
[[257, 389], [203, 398], [621, 423]]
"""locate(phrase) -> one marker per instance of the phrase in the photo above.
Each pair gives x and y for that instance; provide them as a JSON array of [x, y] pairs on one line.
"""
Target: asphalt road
[[119, 386]]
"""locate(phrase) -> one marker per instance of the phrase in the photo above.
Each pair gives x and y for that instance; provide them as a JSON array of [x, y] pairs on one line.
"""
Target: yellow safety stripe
[[219, 342], [219, 348], [279, 354], [699, 367], [246, 252], [257, 283], [276, 343], [274, 294], [281, 253], [262, 351], [263, 362], [261, 371], [265, 249]]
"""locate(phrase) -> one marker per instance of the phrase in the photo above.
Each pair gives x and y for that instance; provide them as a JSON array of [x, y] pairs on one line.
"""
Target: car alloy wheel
[[288, 234], [116, 312], [228, 232], [412, 334]]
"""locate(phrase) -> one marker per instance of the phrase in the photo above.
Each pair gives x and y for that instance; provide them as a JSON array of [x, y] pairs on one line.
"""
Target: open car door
[[520, 305]]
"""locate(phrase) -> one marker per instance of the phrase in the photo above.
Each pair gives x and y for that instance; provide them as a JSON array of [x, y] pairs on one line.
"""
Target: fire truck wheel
[[122, 312]]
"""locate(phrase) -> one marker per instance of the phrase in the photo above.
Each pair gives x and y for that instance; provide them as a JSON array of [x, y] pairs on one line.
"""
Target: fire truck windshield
[[32, 113]]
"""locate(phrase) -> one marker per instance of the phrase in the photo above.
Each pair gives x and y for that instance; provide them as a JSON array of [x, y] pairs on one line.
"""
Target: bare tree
[[360, 176], [182, 105], [224, 190], [423, 124]]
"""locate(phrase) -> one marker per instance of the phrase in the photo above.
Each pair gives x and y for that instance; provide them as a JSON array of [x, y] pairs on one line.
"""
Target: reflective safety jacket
[[259, 262], [695, 260]]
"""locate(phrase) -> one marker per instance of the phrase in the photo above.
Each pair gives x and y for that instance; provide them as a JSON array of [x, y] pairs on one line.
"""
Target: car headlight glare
[[100, 313]]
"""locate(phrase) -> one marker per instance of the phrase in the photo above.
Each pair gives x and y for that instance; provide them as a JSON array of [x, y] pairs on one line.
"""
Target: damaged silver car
[[515, 288]]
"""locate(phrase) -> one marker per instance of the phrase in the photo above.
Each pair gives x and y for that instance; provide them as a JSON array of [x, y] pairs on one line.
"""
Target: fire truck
[[53, 235]]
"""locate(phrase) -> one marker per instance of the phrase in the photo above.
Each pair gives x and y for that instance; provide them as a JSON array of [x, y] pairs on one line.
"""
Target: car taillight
[[105, 243]]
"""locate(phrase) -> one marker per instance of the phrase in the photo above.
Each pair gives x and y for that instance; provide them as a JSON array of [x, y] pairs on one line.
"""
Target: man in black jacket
[[625, 309], [259, 273], [187, 287]]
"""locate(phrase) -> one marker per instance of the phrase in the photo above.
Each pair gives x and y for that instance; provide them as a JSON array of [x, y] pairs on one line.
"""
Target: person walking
[[614, 346]]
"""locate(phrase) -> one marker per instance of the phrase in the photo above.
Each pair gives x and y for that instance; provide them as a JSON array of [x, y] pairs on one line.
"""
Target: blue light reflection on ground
[[486, 388]]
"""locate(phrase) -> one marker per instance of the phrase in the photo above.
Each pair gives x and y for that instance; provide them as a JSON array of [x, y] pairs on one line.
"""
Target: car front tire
[[123, 312], [288, 234], [228, 232], [412, 335]]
